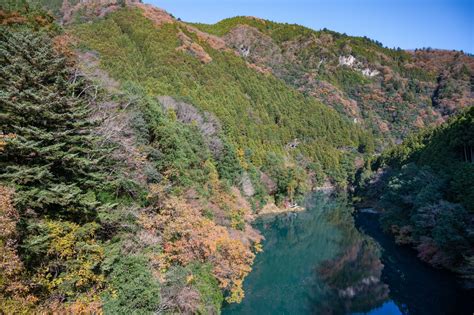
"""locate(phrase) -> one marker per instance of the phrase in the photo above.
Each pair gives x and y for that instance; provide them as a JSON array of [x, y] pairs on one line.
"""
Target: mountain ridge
[[386, 67], [176, 136]]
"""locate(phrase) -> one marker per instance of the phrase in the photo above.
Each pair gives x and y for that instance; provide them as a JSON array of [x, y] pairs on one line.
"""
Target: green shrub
[[134, 289]]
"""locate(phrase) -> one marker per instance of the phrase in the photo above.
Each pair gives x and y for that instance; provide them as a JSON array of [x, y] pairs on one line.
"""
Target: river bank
[[329, 260], [415, 286], [272, 209]]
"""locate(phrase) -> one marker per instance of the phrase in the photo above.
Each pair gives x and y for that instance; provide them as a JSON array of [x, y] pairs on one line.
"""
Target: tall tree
[[49, 152]]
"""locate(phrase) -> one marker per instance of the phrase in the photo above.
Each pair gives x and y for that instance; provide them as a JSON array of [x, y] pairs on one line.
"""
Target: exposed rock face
[[255, 47], [89, 9], [349, 61], [370, 73]]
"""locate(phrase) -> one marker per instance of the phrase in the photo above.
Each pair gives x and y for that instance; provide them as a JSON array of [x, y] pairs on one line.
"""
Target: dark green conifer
[[50, 151]]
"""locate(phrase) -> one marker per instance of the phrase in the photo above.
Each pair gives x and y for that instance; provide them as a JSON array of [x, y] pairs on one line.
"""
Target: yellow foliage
[[241, 157], [86, 304], [189, 279], [189, 236], [3, 140], [14, 291], [236, 293], [72, 249], [63, 238], [237, 219], [213, 175]]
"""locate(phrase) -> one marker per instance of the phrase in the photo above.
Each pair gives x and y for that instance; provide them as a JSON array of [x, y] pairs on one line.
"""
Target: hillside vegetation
[[392, 91], [426, 193], [259, 114], [134, 156], [136, 149], [94, 216]]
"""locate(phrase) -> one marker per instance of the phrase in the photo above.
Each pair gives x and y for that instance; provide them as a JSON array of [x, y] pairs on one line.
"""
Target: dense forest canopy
[[391, 91], [136, 150], [426, 193]]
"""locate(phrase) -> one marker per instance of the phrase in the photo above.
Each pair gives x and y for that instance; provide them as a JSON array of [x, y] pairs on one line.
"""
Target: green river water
[[319, 262]]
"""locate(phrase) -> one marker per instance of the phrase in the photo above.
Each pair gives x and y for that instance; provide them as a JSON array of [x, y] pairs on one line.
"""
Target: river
[[323, 261]]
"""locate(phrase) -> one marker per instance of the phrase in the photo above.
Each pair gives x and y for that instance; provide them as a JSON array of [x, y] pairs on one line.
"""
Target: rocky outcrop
[[90, 9], [256, 47], [351, 62]]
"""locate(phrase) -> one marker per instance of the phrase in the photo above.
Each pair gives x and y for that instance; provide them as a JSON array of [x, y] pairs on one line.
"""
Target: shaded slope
[[426, 193]]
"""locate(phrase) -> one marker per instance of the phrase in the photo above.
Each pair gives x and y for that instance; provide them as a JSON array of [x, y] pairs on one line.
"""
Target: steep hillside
[[136, 149], [109, 201], [135, 152], [426, 195], [390, 90], [267, 123]]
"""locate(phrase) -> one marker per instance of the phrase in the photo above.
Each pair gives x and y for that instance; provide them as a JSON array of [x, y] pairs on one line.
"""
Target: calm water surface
[[318, 262]]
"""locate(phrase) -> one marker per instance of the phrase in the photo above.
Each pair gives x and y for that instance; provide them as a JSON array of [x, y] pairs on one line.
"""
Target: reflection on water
[[317, 262], [415, 287], [354, 275], [314, 262]]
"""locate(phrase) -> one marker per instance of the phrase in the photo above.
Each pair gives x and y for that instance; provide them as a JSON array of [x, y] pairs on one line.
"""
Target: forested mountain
[[133, 160], [392, 91], [136, 149]]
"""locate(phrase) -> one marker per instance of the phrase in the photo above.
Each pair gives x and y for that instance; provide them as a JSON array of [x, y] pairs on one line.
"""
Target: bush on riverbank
[[426, 193]]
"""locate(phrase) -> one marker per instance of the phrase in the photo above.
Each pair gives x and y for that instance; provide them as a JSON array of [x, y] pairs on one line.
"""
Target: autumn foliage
[[14, 290], [189, 236]]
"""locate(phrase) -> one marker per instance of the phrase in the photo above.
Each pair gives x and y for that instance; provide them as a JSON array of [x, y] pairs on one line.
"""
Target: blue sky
[[447, 24]]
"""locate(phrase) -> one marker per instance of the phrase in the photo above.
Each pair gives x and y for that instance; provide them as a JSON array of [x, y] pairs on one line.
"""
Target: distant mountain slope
[[391, 90], [259, 113]]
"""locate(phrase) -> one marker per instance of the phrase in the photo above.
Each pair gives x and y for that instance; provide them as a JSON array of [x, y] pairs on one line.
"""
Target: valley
[[153, 166]]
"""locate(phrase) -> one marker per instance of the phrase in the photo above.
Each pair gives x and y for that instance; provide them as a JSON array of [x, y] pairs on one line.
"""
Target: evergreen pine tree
[[49, 149]]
